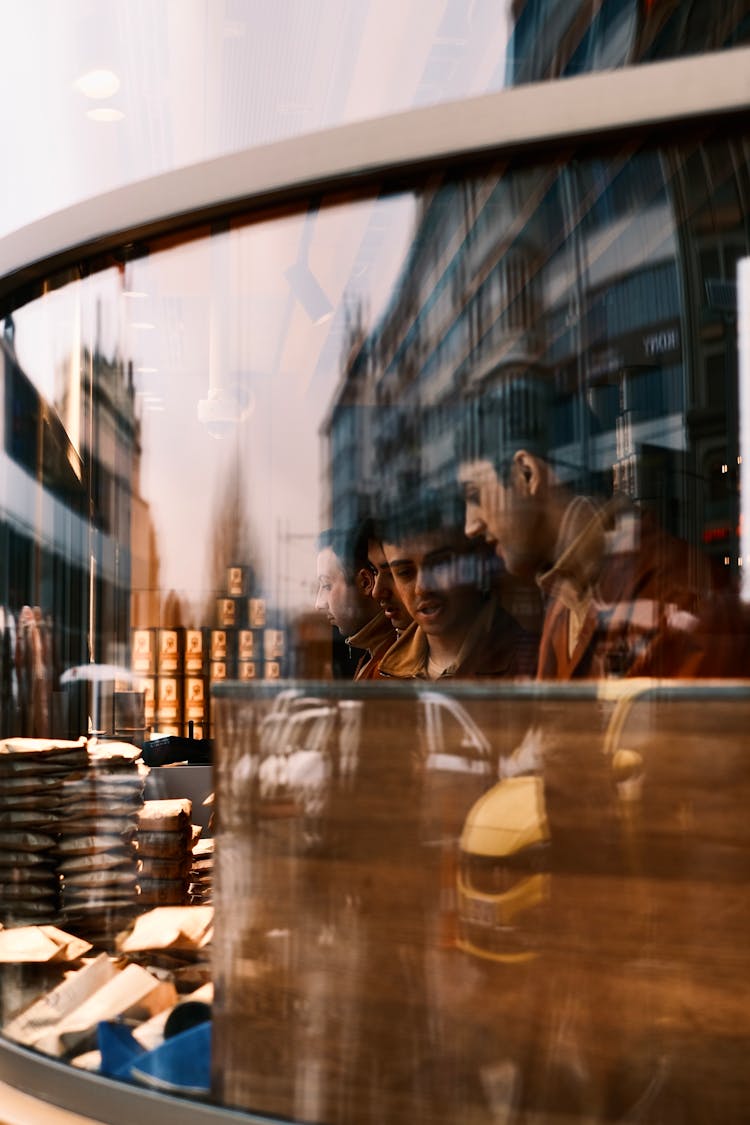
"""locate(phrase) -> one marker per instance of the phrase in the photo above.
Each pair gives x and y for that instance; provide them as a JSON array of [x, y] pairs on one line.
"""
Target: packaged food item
[[22, 860], [195, 651], [98, 861], [196, 698], [257, 613], [28, 818], [218, 671], [153, 868], [143, 651], [162, 892], [238, 581], [108, 877], [169, 706], [166, 815], [25, 840], [226, 613], [39, 799], [171, 643], [219, 647], [147, 685], [162, 845], [123, 826], [273, 644]]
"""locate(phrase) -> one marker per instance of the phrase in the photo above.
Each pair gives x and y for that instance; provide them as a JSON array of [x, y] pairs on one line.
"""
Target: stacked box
[[147, 686], [256, 613], [32, 774], [96, 845], [220, 665], [164, 851], [144, 651], [247, 654], [230, 612], [170, 704], [196, 652], [178, 666], [196, 700], [170, 654], [239, 581], [130, 716], [201, 873], [220, 645], [273, 652]]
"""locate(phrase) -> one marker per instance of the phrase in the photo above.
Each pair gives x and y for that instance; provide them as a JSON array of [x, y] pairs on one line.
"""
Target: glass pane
[[425, 915], [477, 446], [217, 79], [554, 39]]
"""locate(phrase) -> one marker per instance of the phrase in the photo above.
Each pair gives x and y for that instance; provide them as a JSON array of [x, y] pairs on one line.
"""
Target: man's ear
[[529, 473], [364, 581]]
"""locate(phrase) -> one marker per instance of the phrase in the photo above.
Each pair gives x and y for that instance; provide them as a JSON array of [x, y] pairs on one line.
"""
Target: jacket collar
[[408, 657], [373, 634], [582, 543]]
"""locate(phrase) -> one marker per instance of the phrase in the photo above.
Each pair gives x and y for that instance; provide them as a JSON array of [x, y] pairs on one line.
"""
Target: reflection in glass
[[432, 943], [504, 446]]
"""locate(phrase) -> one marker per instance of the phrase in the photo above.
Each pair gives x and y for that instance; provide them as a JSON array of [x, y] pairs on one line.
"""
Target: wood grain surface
[[354, 983]]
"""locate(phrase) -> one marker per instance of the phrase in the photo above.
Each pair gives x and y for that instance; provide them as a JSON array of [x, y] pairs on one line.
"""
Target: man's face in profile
[[385, 591], [507, 516], [336, 598]]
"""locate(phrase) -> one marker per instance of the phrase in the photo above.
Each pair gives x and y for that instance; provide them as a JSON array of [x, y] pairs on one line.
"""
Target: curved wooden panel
[[419, 921]]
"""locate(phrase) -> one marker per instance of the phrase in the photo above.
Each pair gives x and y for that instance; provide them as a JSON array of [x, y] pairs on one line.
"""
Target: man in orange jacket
[[623, 598]]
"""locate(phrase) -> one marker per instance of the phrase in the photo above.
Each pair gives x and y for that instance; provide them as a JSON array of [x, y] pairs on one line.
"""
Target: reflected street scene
[[374, 628]]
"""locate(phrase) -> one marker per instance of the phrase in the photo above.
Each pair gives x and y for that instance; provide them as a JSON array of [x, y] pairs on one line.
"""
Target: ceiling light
[[103, 113], [97, 84], [133, 293]]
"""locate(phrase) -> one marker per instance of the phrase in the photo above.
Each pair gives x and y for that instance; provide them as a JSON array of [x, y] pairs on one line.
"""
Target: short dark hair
[[422, 510], [514, 412], [349, 545]]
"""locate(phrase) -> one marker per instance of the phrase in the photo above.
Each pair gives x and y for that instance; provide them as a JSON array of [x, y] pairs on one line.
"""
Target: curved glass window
[[419, 513], [109, 94]]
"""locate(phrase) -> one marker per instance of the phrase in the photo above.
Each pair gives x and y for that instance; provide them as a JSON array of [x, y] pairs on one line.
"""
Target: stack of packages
[[165, 839], [201, 873], [33, 772], [96, 847]]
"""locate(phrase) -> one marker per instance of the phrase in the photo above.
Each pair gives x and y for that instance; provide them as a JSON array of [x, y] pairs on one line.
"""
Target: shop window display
[[489, 401]]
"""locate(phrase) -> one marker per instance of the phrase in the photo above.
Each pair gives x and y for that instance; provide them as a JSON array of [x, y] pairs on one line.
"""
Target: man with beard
[[623, 597], [345, 594]]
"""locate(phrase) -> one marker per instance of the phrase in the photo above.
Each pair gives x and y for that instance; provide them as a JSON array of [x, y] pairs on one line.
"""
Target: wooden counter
[[378, 960]]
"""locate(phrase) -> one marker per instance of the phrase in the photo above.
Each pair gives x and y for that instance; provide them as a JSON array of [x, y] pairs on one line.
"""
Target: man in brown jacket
[[345, 596], [623, 598], [459, 627]]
